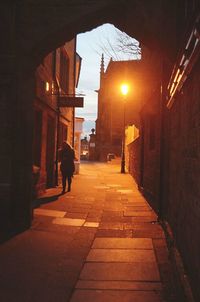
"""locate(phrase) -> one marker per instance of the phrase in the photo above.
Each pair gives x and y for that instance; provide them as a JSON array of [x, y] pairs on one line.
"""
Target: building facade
[[116, 112], [55, 77], [77, 142]]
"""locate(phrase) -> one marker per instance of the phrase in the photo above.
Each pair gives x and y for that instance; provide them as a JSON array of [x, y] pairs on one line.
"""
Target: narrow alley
[[100, 242]]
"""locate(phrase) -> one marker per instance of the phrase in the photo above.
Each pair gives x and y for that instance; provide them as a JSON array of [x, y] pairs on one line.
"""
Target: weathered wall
[[134, 150], [151, 158], [184, 174], [181, 189], [150, 128]]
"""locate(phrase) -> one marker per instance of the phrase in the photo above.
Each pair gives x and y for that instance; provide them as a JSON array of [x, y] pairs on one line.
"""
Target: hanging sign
[[70, 101]]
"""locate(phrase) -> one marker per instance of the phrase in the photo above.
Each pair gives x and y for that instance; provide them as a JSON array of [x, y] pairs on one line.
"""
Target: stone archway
[[31, 31]]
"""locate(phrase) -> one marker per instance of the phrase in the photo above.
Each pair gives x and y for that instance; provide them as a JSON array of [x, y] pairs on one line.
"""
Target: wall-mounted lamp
[[47, 86]]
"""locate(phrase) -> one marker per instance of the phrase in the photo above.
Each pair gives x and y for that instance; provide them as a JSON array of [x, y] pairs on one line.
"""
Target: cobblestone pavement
[[100, 242]]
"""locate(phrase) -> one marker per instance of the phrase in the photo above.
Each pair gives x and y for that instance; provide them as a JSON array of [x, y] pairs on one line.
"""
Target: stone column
[[21, 153], [16, 115], [17, 83]]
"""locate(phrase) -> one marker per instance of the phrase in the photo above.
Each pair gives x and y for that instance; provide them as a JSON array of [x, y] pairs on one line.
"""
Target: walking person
[[67, 166]]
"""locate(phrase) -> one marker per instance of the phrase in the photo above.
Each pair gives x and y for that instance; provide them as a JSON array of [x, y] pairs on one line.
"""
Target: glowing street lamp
[[124, 90]]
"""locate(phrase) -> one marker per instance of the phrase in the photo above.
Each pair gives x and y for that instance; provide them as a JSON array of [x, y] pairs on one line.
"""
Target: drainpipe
[[57, 139], [58, 115], [74, 92], [162, 146]]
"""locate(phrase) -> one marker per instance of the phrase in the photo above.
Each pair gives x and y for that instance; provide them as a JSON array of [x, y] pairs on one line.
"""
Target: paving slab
[[138, 271], [111, 226], [90, 198], [122, 285], [141, 203], [68, 221], [126, 191], [123, 243], [101, 187], [141, 213], [145, 233], [91, 224], [114, 296], [76, 215], [94, 219], [128, 226], [137, 208], [116, 219], [51, 213], [121, 255], [79, 209], [112, 214], [115, 233], [143, 219]]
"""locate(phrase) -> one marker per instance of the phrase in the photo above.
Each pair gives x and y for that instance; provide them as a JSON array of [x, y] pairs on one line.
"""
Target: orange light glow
[[124, 89], [47, 86]]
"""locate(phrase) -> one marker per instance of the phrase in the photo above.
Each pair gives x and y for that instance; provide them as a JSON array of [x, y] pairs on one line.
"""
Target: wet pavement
[[99, 242]]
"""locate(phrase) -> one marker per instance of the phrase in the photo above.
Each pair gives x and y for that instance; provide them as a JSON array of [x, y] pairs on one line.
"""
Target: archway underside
[[44, 26]]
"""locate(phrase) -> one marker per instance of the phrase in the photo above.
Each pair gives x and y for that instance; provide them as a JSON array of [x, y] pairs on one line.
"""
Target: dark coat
[[67, 157]]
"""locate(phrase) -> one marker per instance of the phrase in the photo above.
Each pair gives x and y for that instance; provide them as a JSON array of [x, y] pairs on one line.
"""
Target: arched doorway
[[37, 30]]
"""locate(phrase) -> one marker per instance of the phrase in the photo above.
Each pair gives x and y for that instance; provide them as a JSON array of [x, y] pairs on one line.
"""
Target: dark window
[[64, 72], [152, 135], [62, 134], [37, 136]]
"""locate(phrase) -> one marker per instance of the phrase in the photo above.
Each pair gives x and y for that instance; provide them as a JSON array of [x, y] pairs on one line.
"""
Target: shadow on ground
[[44, 200]]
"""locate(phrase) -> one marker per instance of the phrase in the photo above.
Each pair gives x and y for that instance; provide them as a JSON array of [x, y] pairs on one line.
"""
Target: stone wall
[[134, 152], [184, 174], [151, 158]]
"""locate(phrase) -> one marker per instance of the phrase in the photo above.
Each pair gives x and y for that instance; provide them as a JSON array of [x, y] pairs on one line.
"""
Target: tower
[[102, 68]]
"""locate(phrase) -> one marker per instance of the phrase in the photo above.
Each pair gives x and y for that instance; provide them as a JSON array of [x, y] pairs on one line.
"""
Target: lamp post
[[124, 91]]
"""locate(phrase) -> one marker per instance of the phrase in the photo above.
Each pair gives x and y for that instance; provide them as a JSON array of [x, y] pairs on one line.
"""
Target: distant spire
[[102, 64]]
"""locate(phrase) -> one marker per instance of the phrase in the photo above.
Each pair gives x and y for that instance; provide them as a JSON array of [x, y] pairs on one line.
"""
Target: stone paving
[[100, 242]]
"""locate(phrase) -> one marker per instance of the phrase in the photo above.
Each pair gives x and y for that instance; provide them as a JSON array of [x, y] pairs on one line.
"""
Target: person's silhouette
[[67, 166]]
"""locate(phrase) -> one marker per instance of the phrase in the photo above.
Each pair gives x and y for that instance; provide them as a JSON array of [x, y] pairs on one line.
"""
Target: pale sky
[[88, 47]]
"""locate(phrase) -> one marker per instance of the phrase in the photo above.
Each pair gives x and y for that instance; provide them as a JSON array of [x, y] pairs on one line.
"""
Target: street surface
[[101, 242]]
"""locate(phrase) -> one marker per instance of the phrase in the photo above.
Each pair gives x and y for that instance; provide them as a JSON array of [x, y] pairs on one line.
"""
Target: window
[[64, 72], [62, 133]]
